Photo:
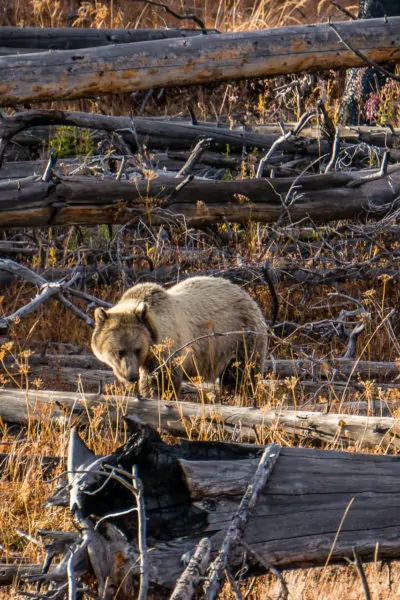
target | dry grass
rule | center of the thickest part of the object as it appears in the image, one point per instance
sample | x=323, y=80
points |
x=225, y=15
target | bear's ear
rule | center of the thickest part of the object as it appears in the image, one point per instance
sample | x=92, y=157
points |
x=100, y=315
x=141, y=310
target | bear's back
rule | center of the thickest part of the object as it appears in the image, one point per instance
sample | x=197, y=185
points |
x=151, y=293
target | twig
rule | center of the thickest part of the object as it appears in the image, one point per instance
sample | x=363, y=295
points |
x=47, y=290
x=285, y=136
x=147, y=97
x=250, y=588
x=368, y=61
x=75, y=310
x=343, y=10
x=90, y=298
x=29, y=537
x=178, y=188
x=50, y=164
x=268, y=567
x=233, y=585
x=122, y=168
x=193, y=574
x=168, y=10
x=329, y=129
x=275, y=145
x=236, y=528
x=73, y=559
x=351, y=346
x=335, y=150
x=194, y=156
x=384, y=164
x=142, y=537
x=357, y=564
x=192, y=114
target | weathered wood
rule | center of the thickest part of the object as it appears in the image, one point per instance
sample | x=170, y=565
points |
x=317, y=504
x=85, y=372
x=180, y=134
x=300, y=368
x=58, y=371
x=245, y=424
x=304, y=482
x=158, y=133
x=9, y=572
x=16, y=40
x=68, y=74
x=31, y=202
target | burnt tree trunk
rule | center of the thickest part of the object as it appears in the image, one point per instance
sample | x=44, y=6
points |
x=70, y=74
x=316, y=505
x=31, y=202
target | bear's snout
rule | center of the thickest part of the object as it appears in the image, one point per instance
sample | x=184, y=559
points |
x=128, y=370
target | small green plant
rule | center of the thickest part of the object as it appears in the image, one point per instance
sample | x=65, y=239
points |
x=72, y=141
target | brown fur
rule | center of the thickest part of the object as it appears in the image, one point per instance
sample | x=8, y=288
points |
x=126, y=336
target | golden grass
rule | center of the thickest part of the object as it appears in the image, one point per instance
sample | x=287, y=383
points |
x=225, y=15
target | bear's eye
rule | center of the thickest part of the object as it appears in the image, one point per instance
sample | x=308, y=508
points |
x=121, y=354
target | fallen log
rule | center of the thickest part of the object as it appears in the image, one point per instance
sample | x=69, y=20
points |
x=156, y=133
x=10, y=573
x=314, y=381
x=315, y=396
x=31, y=202
x=189, y=418
x=180, y=134
x=70, y=74
x=16, y=40
x=300, y=368
x=353, y=500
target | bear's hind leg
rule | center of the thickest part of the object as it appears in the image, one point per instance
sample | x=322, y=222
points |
x=245, y=370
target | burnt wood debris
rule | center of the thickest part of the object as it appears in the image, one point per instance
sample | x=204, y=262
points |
x=195, y=490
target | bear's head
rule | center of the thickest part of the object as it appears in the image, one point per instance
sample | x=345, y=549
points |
x=122, y=340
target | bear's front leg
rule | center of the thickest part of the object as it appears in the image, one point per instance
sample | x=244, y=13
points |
x=145, y=387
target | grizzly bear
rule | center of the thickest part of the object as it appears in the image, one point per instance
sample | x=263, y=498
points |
x=150, y=323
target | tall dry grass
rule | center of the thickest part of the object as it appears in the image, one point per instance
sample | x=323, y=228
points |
x=225, y=15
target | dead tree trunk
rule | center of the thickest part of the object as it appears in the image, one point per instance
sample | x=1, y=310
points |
x=31, y=202
x=184, y=418
x=68, y=74
x=353, y=500
x=16, y=40
x=181, y=135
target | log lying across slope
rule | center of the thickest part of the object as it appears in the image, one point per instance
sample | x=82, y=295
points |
x=184, y=418
x=315, y=505
x=67, y=74
x=16, y=40
x=31, y=202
